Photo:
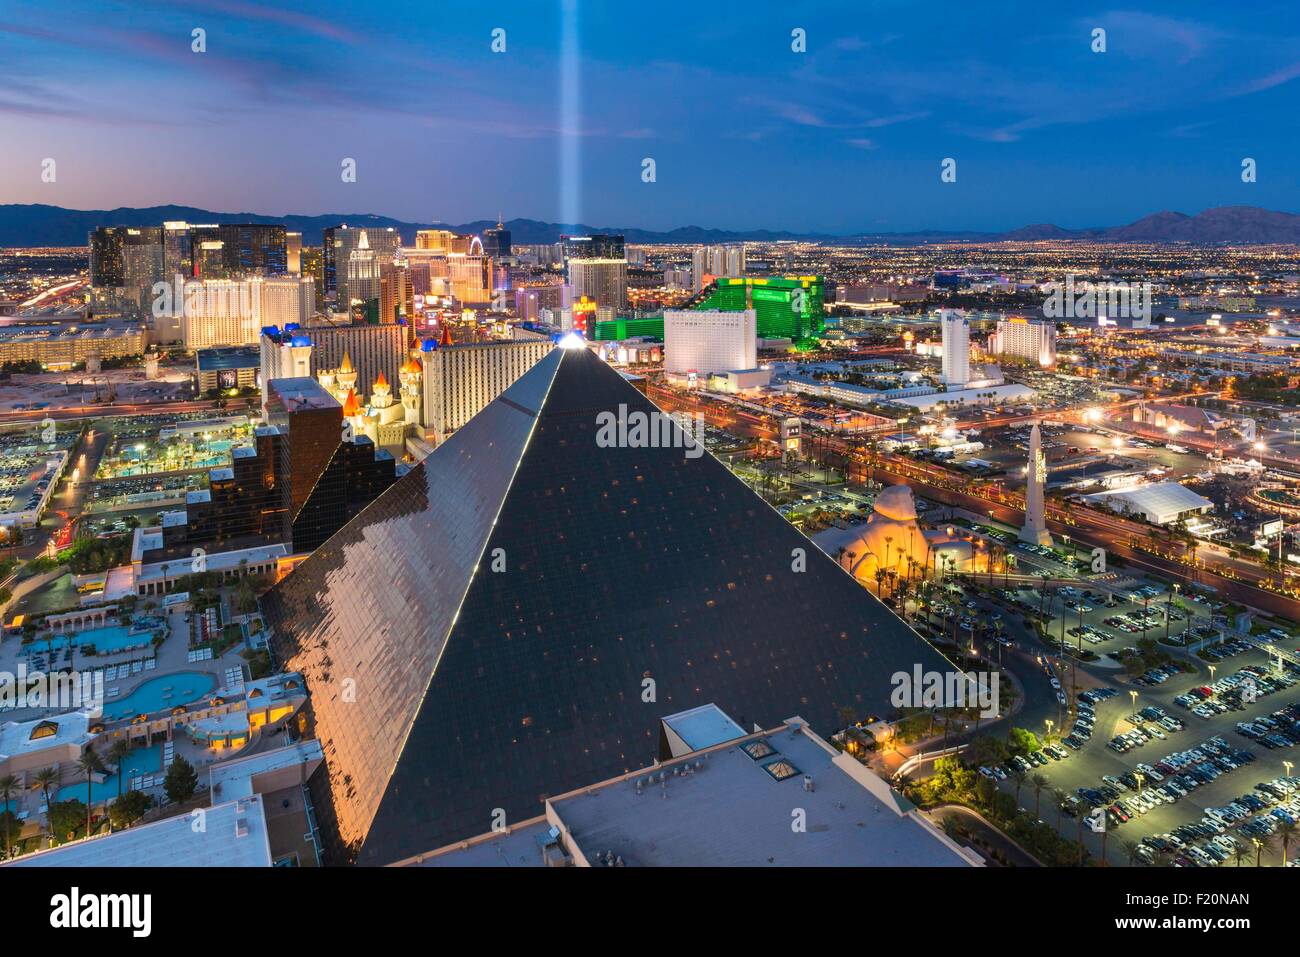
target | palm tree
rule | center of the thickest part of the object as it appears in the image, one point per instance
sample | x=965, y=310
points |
x=8, y=785
x=1286, y=832
x=46, y=779
x=1058, y=798
x=1039, y=782
x=88, y=764
x=1265, y=842
x=1104, y=834
x=1130, y=851
x=1240, y=852
x=117, y=753
x=1019, y=777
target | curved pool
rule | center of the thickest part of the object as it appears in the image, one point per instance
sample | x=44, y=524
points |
x=157, y=694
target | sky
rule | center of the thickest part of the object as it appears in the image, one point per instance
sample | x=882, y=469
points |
x=745, y=131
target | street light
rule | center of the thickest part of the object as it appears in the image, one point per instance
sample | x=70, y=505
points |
x=1134, y=696
x=1288, y=765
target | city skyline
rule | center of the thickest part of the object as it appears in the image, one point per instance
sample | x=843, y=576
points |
x=552, y=129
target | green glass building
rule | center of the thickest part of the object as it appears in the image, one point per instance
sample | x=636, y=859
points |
x=787, y=307
x=625, y=328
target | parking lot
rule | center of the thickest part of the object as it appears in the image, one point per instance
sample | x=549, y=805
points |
x=1182, y=770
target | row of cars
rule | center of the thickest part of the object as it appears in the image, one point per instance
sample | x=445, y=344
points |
x=1128, y=740
x=1156, y=715
x=1284, y=794
x=1259, y=813
x=1227, y=649
x=1281, y=729
x=1134, y=622
x=1235, y=691
x=1027, y=762
x=1159, y=674
x=1167, y=782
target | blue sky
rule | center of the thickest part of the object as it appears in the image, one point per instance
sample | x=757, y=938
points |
x=745, y=133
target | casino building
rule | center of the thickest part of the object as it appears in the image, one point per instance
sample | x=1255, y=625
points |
x=515, y=616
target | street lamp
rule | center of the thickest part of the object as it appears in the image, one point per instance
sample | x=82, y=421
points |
x=1049, y=727
x=1288, y=765
x=1140, y=779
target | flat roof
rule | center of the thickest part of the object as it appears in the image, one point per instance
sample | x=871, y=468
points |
x=234, y=779
x=730, y=806
x=1160, y=497
x=302, y=392
x=228, y=357
x=703, y=727
x=233, y=835
x=16, y=736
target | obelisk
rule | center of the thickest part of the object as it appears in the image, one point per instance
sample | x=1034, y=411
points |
x=1035, y=528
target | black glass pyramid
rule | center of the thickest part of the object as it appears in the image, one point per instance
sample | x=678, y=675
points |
x=447, y=694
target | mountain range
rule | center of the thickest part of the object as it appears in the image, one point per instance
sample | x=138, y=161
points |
x=40, y=225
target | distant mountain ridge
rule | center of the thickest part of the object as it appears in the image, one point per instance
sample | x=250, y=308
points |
x=40, y=225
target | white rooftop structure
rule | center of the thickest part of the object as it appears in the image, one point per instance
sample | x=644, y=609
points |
x=992, y=395
x=699, y=728
x=1161, y=503
x=726, y=806
x=233, y=834
x=243, y=777
x=40, y=734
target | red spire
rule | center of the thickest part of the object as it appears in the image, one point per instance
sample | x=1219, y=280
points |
x=350, y=405
x=380, y=380
x=446, y=335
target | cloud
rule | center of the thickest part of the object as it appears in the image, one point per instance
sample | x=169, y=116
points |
x=294, y=19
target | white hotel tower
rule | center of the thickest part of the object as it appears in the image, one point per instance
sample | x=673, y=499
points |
x=956, y=348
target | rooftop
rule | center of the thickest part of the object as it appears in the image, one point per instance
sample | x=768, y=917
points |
x=729, y=806
x=1159, y=497
x=234, y=835
x=228, y=357
x=234, y=779
x=26, y=737
x=702, y=727
x=303, y=392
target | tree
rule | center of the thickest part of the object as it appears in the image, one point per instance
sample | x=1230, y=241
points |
x=129, y=808
x=1022, y=741
x=1130, y=851
x=8, y=785
x=1264, y=842
x=1240, y=852
x=89, y=764
x=46, y=779
x=1058, y=798
x=1019, y=777
x=65, y=817
x=1039, y=783
x=117, y=753
x=181, y=781
x=1286, y=832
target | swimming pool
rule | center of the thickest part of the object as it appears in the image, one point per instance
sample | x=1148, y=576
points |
x=140, y=761
x=157, y=694
x=105, y=640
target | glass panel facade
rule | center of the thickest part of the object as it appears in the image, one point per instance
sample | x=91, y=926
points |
x=500, y=662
